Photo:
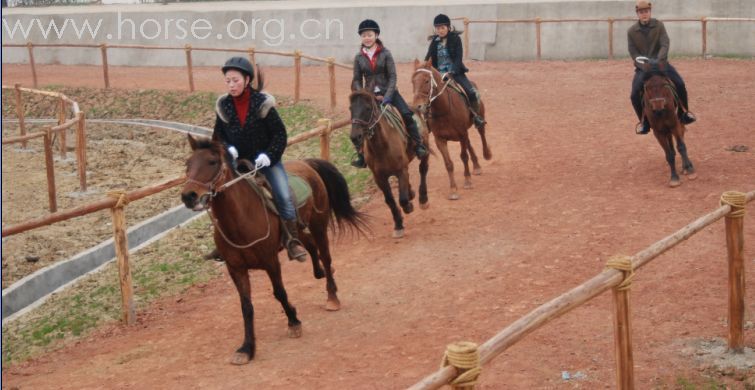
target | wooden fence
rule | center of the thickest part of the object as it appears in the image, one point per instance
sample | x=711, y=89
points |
x=732, y=209
x=610, y=21
x=117, y=202
x=64, y=123
x=188, y=49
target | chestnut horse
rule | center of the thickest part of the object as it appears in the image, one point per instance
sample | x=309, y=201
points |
x=448, y=118
x=660, y=107
x=248, y=235
x=387, y=152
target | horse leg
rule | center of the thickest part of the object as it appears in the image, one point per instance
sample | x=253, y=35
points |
x=668, y=148
x=443, y=147
x=465, y=160
x=274, y=273
x=687, y=167
x=321, y=238
x=476, y=168
x=423, y=167
x=245, y=353
x=398, y=220
x=486, y=153
x=311, y=247
x=404, y=189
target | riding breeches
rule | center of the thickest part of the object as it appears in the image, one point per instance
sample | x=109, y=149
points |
x=462, y=80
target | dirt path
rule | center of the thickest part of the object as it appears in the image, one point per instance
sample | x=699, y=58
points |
x=569, y=186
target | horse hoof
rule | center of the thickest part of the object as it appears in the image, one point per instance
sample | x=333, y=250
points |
x=333, y=305
x=409, y=208
x=674, y=183
x=487, y=154
x=453, y=196
x=398, y=233
x=424, y=206
x=294, y=331
x=477, y=171
x=240, y=358
x=692, y=176
x=468, y=186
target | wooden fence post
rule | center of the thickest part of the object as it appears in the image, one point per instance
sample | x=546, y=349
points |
x=20, y=112
x=250, y=53
x=704, y=22
x=30, y=47
x=537, y=36
x=187, y=48
x=325, y=138
x=62, y=133
x=103, y=49
x=610, y=38
x=81, y=150
x=466, y=38
x=297, y=75
x=332, y=82
x=49, y=165
x=622, y=324
x=128, y=314
x=734, y=222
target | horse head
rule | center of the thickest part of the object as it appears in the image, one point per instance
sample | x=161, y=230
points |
x=206, y=171
x=658, y=95
x=364, y=112
x=424, y=82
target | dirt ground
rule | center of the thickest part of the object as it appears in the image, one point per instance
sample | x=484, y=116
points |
x=569, y=186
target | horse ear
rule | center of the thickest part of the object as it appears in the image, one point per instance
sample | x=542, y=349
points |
x=429, y=64
x=192, y=141
x=416, y=63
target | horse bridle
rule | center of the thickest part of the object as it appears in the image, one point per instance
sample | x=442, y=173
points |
x=650, y=100
x=434, y=84
x=369, y=125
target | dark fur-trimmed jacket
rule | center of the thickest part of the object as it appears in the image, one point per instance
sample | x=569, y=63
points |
x=455, y=51
x=263, y=131
x=384, y=75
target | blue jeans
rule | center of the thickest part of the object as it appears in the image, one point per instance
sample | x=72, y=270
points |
x=278, y=180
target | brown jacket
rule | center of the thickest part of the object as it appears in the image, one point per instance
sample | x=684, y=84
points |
x=650, y=41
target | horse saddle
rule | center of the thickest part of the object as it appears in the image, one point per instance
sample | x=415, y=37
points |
x=299, y=188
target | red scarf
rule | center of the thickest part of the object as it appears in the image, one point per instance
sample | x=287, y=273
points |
x=373, y=61
x=241, y=103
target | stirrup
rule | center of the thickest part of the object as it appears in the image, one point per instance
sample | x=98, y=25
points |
x=640, y=128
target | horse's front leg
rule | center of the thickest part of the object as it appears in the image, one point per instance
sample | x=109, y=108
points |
x=398, y=220
x=687, y=167
x=465, y=149
x=245, y=353
x=668, y=148
x=423, y=167
x=404, y=189
x=274, y=273
x=442, y=145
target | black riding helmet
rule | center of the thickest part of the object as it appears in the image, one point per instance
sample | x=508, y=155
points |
x=241, y=64
x=368, y=24
x=442, y=20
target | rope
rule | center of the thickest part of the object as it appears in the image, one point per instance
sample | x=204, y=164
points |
x=464, y=356
x=737, y=201
x=623, y=264
x=121, y=196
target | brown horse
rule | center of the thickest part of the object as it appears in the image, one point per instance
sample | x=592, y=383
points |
x=660, y=108
x=387, y=153
x=448, y=118
x=249, y=237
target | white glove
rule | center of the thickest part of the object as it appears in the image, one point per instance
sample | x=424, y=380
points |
x=262, y=161
x=232, y=150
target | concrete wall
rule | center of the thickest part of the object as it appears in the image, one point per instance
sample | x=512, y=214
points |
x=280, y=26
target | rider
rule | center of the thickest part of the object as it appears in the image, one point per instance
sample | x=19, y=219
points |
x=250, y=127
x=373, y=64
x=648, y=38
x=446, y=51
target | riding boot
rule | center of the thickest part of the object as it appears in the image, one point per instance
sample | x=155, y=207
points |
x=358, y=162
x=474, y=103
x=294, y=247
x=411, y=126
x=642, y=127
x=213, y=255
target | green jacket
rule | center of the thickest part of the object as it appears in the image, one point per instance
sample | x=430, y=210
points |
x=650, y=41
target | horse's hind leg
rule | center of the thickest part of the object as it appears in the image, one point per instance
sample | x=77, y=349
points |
x=668, y=149
x=245, y=353
x=423, y=167
x=443, y=147
x=404, y=189
x=465, y=149
x=476, y=168
x=312, y=249
x=398, y=220
x=320, y=234
x=486, y=153
x=687, y=167
x=274, y=273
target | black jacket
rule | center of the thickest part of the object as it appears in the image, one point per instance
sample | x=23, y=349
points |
x=263, y=130
x=384, y=75
x=455, y=50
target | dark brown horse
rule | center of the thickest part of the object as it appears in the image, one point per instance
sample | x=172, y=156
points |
x=660, y=108
x=248, y=235
x=387, y=153
x=448, y=118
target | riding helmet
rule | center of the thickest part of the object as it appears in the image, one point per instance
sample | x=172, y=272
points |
x=442, y=20
x=368, y=24
x=241, y=64
x=642, y=4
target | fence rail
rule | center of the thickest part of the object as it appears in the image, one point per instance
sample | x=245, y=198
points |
x=611, y=278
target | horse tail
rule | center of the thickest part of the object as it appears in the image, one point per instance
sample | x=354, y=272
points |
x=339, y=197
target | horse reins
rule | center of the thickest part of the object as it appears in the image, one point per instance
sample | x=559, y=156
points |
x=369, y=124
x=434, y=84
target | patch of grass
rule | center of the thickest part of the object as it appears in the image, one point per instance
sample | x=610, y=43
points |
x=709, y=384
